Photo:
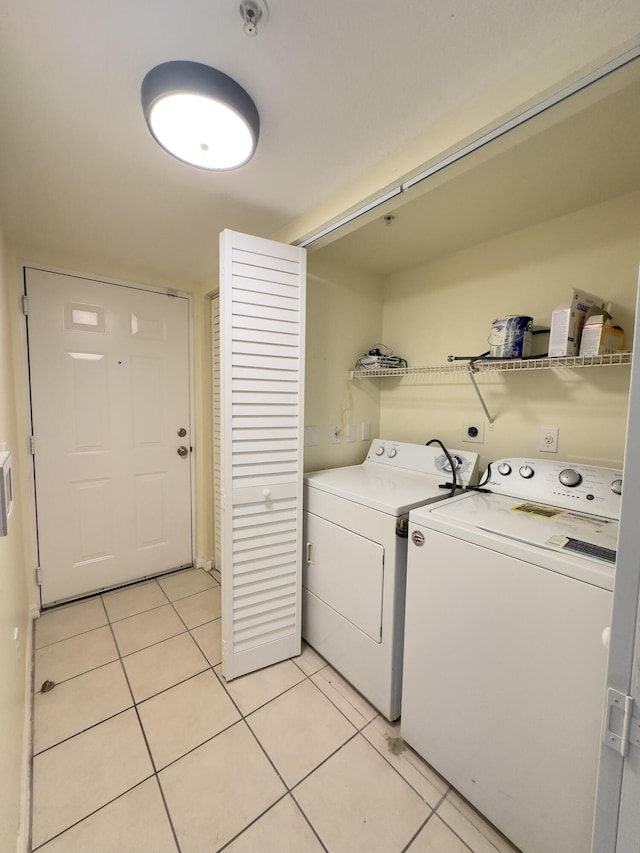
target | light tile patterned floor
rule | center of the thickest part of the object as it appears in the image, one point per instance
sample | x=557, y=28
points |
x=142, y=747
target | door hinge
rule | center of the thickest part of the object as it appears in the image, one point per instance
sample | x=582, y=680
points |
x=32, y=445
x=38, y=575
x=25, y=306
x=622, y=729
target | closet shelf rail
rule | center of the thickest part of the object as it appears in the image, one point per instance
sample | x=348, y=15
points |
x=473, y=368
x=488, y=366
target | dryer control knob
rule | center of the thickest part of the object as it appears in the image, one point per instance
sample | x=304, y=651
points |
x=570, y=477
x=379, y=450
x=391, y=452
x=616, y=487
x=527, y=472
x=504, y=468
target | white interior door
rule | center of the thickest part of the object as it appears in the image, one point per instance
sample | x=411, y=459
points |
x=109, y=369
x=217, y=469
x=617, y=821
x=262, y=313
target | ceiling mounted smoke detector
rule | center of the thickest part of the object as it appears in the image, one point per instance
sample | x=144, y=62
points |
x=200, y=115
x=252, y=12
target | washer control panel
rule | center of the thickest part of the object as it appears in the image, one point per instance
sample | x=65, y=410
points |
x=423, y=459
x=586, y=488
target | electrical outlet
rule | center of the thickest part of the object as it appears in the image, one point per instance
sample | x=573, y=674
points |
x=549, y=440
x=351, y=432
x=335, y=433
x=473, y=431
x=366, y=432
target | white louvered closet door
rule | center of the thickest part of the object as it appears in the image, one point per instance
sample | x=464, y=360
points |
x=217, y=469
x=262, y=316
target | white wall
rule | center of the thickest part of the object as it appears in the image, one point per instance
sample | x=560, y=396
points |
x=344, y=320
x=447, y=307
x=14, y=604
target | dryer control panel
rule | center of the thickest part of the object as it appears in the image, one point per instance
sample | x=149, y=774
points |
x=423, y=459
x=585, y=488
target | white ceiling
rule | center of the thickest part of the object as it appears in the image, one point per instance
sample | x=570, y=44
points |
x=581, y=152
x=340, y=86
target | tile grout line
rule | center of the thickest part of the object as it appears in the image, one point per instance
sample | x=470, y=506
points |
x=288, y=790
x=134, y=705
x=146, y=741
x=243, y=717
x=83, y=731
x=251, y=823
x=311, y=826
x=484, y=820
x=452, y=831
x=337, y=707
x=91, y=814
x=393, y=767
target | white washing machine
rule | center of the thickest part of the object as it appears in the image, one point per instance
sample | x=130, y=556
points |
x=509, y=598
x=353, y=574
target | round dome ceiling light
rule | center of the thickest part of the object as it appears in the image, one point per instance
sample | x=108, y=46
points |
x=200, y=115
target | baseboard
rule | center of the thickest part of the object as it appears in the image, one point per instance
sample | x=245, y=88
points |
x=23, y=844
x=203, y=563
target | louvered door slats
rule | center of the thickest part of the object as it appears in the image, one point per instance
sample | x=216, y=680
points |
x=262, y=309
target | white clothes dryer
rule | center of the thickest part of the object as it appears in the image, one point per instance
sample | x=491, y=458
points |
x=509, y=599
x=354, y=566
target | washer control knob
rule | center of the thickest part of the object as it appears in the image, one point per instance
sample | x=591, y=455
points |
x=417, y=537
x=616, y=487
x=527, y=472
x=570, y=477
x=379, y=450
x=504, y=468
x=391, y=452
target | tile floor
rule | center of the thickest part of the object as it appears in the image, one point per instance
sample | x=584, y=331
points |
x=142, y=747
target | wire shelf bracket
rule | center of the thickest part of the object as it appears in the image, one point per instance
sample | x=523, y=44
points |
x=473, y=368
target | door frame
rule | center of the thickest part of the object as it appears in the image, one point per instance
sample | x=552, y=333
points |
x=32, y=522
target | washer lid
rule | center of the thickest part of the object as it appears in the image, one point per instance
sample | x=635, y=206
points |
x=387, y=490
x=532, y=523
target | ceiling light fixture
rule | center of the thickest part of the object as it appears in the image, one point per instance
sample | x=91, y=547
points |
x=200, y=115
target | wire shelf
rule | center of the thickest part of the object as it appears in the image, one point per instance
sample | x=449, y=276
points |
x=488, y=366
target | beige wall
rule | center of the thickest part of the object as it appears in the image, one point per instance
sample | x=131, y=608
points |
x=14, y=604
x=344, y=320
x=447, y=307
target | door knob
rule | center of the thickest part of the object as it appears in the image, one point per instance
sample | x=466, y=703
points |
x=182, y=432
x=182, y=451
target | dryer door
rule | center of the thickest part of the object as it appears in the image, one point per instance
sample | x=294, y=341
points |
x=346, y=572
